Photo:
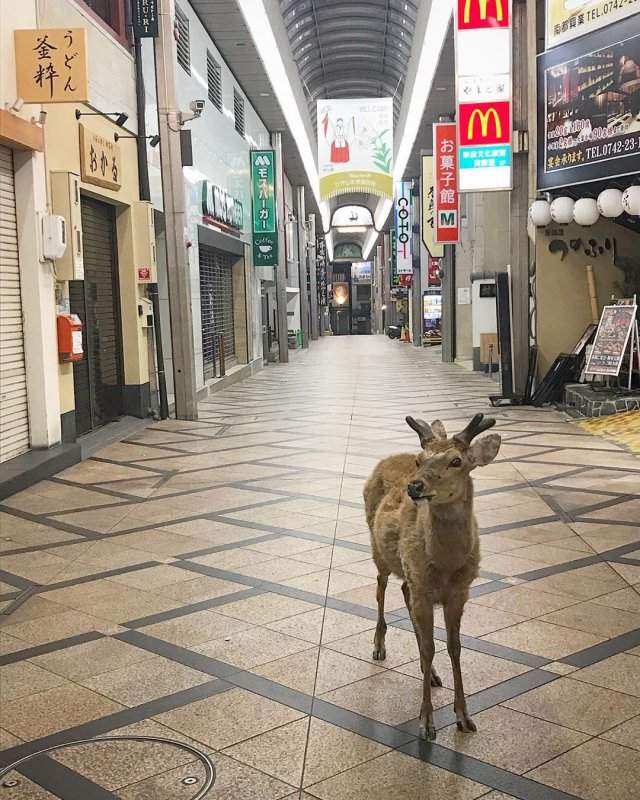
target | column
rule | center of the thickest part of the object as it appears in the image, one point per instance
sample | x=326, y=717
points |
x=302, y=265
x=281, y=269
x=313, y=274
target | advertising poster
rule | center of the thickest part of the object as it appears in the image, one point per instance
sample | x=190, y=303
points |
x=590, y=103
x=427, y=194
x=361, y=272
x=355, y=147
x=403, y=227
x=568, y=19
x=611, y=340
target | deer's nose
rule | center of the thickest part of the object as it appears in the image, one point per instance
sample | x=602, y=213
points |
x=415, y=489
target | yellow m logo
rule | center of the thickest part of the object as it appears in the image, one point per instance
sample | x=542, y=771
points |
x=484, y=117
x=482, y=4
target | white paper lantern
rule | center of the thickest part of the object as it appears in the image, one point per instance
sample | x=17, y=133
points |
x=631, y=200
x=610, y=203
x=562, y=210
x=540, y=213
x=585, y=211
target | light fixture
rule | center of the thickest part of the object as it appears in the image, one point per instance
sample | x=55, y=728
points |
x=562, y=210
x=153, y=140
x=352, y=228
x=631, y=201
x=540, y=213
x=585, y=211
x=610, y=203
x=120, y=116
x=371, y=239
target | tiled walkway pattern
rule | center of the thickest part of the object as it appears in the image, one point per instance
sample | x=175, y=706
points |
x=211, y=581
x=623, y=428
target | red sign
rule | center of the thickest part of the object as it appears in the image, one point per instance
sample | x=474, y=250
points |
x=446, y=201
x=485, y=123
x=433, y=272
x=144, y=274
x=474, y=14
x=405, y=280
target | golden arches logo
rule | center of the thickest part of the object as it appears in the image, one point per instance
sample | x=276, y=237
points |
x=482, y=5
x=484, y=117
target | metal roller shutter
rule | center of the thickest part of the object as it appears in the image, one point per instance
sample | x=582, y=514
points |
x=14, y=415
x=216, y=304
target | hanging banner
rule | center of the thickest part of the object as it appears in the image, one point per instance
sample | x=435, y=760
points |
x=568, y=19
x=446, y=197
x=483, y=94
x=263, y=199
x=144, y=19
x=51, y=65
x=321, y=270
x=355, y=147
x=403, y=228
x=427, y=192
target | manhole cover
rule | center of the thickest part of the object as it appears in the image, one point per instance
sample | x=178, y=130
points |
x=127, y=767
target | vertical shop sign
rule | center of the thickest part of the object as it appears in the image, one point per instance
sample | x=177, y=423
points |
x=263, y=198
x=144, y=19
x=403, y=228
x=321, y=270
x=51, y=65
x=393, y=271
x=484, y=94
x=446, y=197
x=428, y=195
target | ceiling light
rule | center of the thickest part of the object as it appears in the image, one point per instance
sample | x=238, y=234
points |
x=265, y=94
x=372, y=238
x=352, y=228
x=328, y=240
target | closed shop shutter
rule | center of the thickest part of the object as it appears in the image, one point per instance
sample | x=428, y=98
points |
x=216, y=304
x=14, y=416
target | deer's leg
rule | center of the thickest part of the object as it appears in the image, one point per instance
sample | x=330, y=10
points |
x=453, y=609
x=422, y=617
x=379, y=650
x=435, y=678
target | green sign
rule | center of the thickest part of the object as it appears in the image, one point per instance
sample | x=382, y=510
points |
x=263, y=198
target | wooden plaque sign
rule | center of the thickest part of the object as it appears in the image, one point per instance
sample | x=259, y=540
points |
x=99, y=160
x=51, y=65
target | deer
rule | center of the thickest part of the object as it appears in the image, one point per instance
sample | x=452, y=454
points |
x=419, y=509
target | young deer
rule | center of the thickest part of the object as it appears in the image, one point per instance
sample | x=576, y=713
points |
x=420, y=513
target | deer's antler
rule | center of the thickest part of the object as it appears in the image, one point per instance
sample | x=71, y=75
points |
x=479, y=424
x=422, y=428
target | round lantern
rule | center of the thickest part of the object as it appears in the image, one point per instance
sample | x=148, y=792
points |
x=562, y=210
x=585, y=211
x=540, y=213
x=610, y=203
x=631, y=200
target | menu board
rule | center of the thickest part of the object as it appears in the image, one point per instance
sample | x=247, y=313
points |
x=612, y=338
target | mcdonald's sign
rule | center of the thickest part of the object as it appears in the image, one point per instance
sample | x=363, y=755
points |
x=484, y=123
x=474, y=14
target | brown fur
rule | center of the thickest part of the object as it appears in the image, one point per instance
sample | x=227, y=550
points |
x=431, y=544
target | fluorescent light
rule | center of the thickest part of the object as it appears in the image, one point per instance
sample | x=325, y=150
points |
x=352, y=228
x=257, y=21
x=382, y=212
x=371, y=239
x=328, y=240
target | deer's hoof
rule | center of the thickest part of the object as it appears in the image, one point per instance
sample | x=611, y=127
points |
x=466, y=725
x=379, y=654
x=427, y=731
x=436, y=680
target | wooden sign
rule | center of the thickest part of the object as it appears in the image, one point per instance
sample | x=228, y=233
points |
x=612, y=338
x=51, y=65
x=99, y=160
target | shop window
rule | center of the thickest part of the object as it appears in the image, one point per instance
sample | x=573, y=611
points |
x=238, y=112
x=214, y=81
x=183, y=42
x=111, y=14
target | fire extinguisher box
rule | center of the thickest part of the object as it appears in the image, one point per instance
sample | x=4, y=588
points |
x=69, y=338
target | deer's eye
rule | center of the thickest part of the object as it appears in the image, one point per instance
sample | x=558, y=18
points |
x=457, y=462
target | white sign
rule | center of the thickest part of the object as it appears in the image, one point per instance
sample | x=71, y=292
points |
x=403, y=225
x=568, y=19
x=464, y=296
x=355, y=147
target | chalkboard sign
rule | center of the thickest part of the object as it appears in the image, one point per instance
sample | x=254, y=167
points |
x=612, y=338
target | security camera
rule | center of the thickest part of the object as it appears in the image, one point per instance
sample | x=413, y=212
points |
x=196, y=106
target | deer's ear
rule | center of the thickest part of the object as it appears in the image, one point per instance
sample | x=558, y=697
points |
x=485, y=450
x=438, y=428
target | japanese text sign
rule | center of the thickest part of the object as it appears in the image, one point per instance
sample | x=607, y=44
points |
x=51, y=65
x=446, y=198
x=566, y=20
x=99, y=160
x=427, y=192
x=483, y=94
x=145, y=18
x=265, y=226
x=403, y=228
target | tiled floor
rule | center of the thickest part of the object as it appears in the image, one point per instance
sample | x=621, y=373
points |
x=211, y=582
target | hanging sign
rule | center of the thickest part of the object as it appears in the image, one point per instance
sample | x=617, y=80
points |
x=568, y=19
x=144, y=18
x=51, y=65
x=609, y=346
x=99, y=160
x=403, y=224
x=263, y=198
x=321, y=270
x=446, y=197
x=355, y=147
x=483, y=94
x=427, y=226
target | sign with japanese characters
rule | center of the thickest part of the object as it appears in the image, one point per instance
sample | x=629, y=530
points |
x=355, y=147
x=263, y=199
x=427, y=193
x=612, y=339
x=446, y=204
x=403, y=228
x=220, y=208
x=568, y=19
x=99, y=160
x=51, y=65
x=144, y=18
x=589, y=104
x=483, y=94
x=321, y=270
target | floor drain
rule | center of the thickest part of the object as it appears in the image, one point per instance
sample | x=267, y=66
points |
x=189, y=780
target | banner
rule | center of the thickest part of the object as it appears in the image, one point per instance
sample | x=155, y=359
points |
x=263, y=200
x=568, y=19
x=428, y=238
x=403, y=225
x=321, y=270
x=355, y=147
x=483, y=94
x=589, y=103
x=447, y=199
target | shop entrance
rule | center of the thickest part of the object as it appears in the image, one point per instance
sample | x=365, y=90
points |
x=216, y=306
x=98, y=378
